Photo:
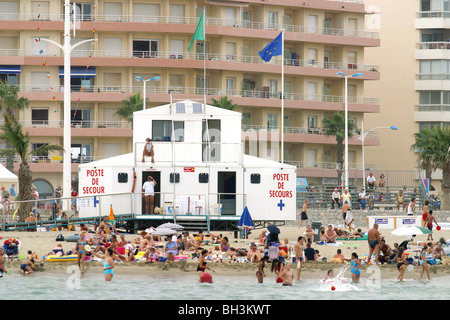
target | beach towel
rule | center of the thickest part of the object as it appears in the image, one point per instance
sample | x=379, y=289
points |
x=364, y=237
x=349, y=217
x=336, y=244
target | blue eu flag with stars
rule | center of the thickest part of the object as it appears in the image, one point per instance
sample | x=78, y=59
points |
x=272, y=49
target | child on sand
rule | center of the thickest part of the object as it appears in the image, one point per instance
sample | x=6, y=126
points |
x=27, y=268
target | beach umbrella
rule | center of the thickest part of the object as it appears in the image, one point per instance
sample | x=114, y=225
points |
x=170, y=225
x=246, y=219
x=163, y=232
x=410, y=230
x=273, y=229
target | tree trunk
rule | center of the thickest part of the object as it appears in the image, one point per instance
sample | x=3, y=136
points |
x=25, y=178
x=445, y=186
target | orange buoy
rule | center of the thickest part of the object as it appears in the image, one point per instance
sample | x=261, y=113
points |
x=333, y=288
x=206, y=278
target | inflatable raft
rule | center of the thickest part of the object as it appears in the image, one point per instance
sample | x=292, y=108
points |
x=56, y=258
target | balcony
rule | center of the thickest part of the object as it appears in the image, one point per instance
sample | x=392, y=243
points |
x=54, y=128
x=432, y=81
x=432, y=113
x=301, y=135
x=188, y=60
x=51, y=163
x=432, y=50
x=129, y=23
x=161, y=94
x=432, y=20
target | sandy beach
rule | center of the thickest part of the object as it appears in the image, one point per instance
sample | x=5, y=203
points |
x=43, y=242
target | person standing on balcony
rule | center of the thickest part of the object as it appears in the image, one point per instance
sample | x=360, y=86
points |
x=148, y=150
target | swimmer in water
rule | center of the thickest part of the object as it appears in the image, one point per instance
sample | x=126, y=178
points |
x=330, y=276
x=260, y=273
x=202, y=263
x=287, y=275
x=355, y=267
x=108, y=264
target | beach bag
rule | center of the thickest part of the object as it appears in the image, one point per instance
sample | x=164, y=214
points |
x=60, y=237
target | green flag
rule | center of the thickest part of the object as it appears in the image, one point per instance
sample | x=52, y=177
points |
x=199, y=32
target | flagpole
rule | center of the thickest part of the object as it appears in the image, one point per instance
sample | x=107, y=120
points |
x=282, y=95
x=204, y=112
x=204, y=56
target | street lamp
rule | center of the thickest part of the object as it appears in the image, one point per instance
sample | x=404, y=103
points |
x=341, y=74
x=138, y=78
x=362, y=137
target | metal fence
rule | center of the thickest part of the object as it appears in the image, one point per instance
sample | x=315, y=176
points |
x=52, y=211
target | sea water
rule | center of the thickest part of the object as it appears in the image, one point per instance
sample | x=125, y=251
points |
x=166, y=286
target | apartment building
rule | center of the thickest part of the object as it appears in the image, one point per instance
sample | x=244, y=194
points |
x=150, y=38
x=414, y=90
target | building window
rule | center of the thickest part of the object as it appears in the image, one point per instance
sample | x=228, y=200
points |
x=81, y=118
x=272, y=19
x=162, y=130
x=272, y=121
x=9, y=78
x=230, y=85
x=312, y=122
x=145, y=48
x=112, y=81
x=39, y=116
x=176, y=83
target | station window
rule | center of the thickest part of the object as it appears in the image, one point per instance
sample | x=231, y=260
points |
x=255, y=178
x=174, y=177
x=203, y=178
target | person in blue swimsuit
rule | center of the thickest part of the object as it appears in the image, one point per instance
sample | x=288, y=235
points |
x=108, y=263
x=355, y=267
x=423, y=263
x=81, y=243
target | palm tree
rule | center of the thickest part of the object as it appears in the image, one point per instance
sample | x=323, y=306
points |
x=335, y=126
x=11, y=103
x=128, y=106
x=224, y=103
x=433, y=148
x=20, y=144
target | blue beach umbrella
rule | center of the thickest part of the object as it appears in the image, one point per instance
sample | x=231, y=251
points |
x=246, y=219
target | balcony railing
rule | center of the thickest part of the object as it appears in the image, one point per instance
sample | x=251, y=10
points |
x=210, y=21
x=433, y=76
x=295, y=130
x=433, y=14
x=74, y=124
x=441, y=45
x=192, y=152
x=432, y=107
x=55, y=159
x=190, y=56
x=200, y=91
x=330, y=165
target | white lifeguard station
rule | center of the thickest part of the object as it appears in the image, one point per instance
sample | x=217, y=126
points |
x=200, y=168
